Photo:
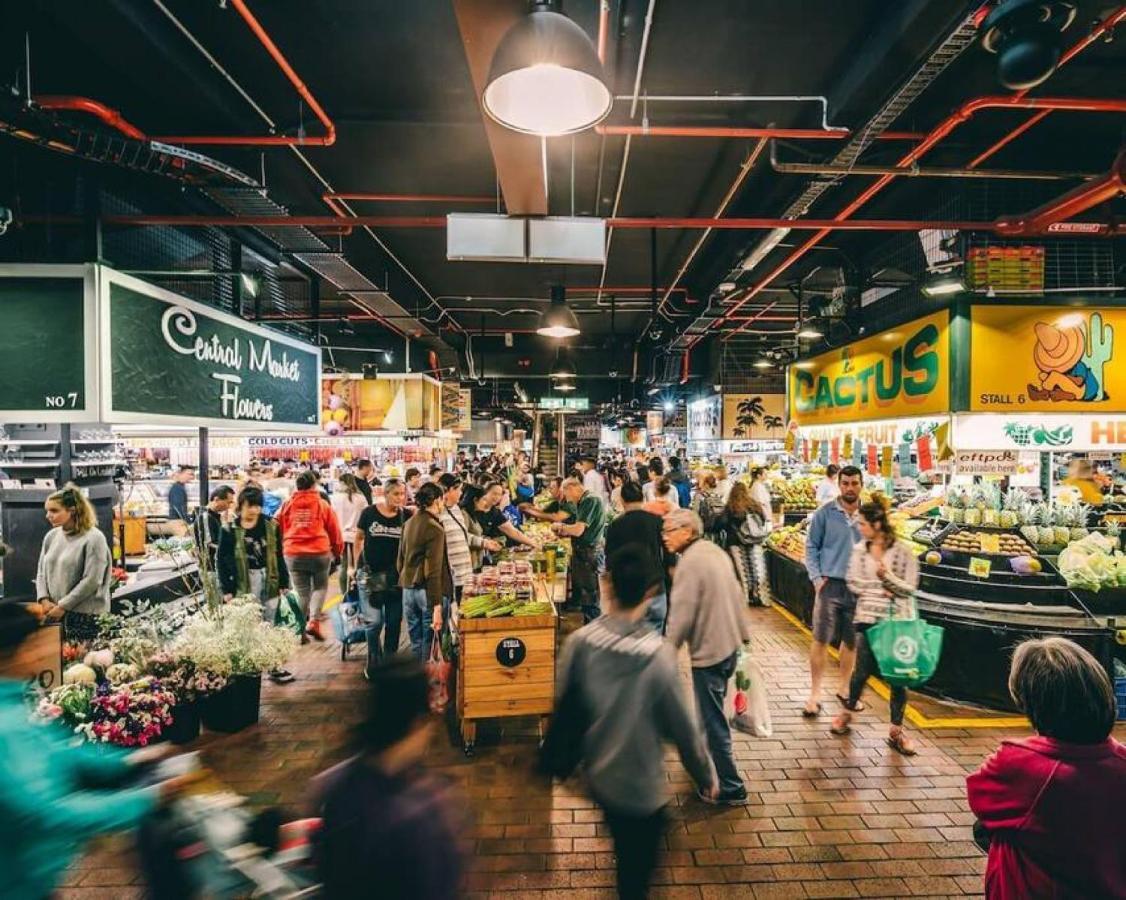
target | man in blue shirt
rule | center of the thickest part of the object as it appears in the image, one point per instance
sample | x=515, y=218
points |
x=178, y=514
x=833, y=533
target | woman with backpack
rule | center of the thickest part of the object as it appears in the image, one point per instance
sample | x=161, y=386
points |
x=883, y=575
x=742, y=529
x=250, y=560
x=708, y=504
x=311, y=540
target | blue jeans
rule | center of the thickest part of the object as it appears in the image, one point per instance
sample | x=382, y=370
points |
x=710, y=686
x=385, y=618
x=419, y=617
x=657, y=612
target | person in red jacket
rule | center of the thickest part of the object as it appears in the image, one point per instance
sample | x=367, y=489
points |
x=1051, y=805
x=311, y=540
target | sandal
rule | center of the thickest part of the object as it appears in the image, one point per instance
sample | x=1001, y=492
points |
x=858, y=706
x=900, y=744
x=811, y=713
x=842, y=724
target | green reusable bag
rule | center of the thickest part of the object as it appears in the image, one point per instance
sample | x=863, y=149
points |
x=289, y=613
x=906, y=650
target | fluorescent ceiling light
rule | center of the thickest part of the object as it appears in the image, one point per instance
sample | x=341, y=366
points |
x=943, y=285
x=762, y=364
x=810, y=332
x=546, y=78
x=653, y=390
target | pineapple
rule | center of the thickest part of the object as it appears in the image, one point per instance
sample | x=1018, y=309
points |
x=957, y=506
x=1011, y=508
x=1061, y=517
x=1114, y=531
x=975, y=507
x=1045, y=534
x=1080, y=512
x=990, y=505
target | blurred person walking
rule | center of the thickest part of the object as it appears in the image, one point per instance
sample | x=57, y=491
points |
x=312, y=540
x=626, y=678
x=637, y=527
x=707, y=610
x=742, y=530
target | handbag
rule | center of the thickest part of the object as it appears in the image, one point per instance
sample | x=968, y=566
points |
x=438, y=676
x=754, y=528
x=906, y=651
x=562, y=747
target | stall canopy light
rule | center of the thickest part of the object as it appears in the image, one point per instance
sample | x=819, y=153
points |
x=558, y=321
x=762, y=364
x=943, y=285
x=563, y=367
x=563, y=386
x=545, y=78
x=810, y=332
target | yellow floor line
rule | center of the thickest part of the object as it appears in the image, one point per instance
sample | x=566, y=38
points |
x=913, y=715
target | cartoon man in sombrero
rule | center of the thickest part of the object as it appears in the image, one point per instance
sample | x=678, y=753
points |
x=1071, y=359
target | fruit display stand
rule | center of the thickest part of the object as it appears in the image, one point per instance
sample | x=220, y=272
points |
x=985, y=615
x=506, y=666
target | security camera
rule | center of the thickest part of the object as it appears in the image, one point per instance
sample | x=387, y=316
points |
x=5, y=219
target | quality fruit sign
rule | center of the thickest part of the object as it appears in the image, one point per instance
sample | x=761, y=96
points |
x=1055, y=359
x=900, y=373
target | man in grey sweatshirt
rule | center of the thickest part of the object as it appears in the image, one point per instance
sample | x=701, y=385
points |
x=707, y=610
x=629, y=685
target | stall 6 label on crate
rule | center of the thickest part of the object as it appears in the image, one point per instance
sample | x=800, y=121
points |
x=511, y=652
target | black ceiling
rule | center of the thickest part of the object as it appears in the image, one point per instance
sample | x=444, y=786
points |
x=393, y=77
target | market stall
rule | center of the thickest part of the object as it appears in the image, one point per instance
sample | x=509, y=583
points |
x=997, y=565
x=508, y=636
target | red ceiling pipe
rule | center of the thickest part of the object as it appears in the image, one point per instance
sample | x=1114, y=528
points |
x=687, y=131
x=1109, y=22
x=603, y=28
x=107, y=114
x=1073, y=203
x=939, y=133
x=273, y=140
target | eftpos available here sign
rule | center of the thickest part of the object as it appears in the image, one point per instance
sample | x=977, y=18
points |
x=169, y=360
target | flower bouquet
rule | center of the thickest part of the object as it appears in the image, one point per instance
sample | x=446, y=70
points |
x=68, y=704
x=128, y=715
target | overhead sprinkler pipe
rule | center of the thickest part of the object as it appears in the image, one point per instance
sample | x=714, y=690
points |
x=1073, y=203
x=273, y=140
x=405, y=198
x=704, y=131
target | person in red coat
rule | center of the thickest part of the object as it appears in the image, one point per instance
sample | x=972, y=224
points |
x=1052, y=805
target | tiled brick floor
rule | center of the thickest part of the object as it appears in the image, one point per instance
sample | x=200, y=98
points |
x=829, y=817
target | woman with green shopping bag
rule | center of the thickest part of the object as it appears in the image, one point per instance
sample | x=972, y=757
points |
x=883, y=575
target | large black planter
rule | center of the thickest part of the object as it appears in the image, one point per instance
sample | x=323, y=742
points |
x=185, y=724
x=235, y=707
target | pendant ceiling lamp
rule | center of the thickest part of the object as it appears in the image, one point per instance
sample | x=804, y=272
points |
x=563, y=367
x=558, y=321
x=546, y=78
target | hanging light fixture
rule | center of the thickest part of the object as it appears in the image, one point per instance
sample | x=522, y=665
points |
x=558, y=321
x=563, y=367
x=563, y=386
x=810, y=331
x=546, y=78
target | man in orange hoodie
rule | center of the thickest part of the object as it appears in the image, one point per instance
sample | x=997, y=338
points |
x=311, y=541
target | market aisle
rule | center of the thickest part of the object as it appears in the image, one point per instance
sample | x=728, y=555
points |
x=828, y=817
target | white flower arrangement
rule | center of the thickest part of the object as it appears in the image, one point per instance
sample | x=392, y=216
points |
x=234, y=640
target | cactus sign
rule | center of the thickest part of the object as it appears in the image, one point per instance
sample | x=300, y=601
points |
x=1056, y=359
x=900, y=373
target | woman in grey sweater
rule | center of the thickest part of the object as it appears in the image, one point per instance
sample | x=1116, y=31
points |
x=73, y=581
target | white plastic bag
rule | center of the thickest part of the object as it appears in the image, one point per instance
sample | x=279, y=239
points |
x=752, y=712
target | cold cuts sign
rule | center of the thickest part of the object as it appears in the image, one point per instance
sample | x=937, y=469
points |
x=173, y=361
x=1047, y=359
x=48, y=346
x=904, y=372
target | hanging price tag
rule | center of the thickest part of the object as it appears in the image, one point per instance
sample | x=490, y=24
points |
x=873, y=463
x=835, y=452
x=885, y=462
x=816, y=448
x=788, y=442
x=805, y=451
x=846, y=450
x=824, y=457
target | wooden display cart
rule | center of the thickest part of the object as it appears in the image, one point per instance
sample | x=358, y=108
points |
x=506, y=667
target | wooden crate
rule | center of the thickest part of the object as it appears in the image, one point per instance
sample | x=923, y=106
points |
x=494, y=681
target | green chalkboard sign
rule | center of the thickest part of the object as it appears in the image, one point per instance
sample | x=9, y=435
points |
x=169, y=360
x=48, y=347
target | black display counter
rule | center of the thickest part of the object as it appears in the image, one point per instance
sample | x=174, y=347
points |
x=161, y=586
x=980, y=636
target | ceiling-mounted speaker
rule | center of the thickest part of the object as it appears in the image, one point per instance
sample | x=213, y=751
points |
x=1027, y=36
